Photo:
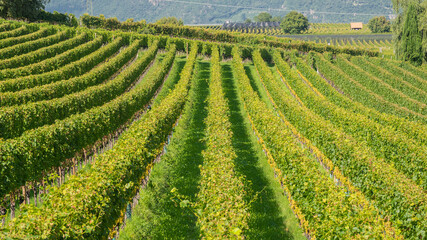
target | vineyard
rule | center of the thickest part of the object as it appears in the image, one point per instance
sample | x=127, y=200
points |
x=188, y=135
x=335, y=34
x=315, y=28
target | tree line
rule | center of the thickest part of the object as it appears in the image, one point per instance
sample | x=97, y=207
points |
x=410, y=30
x=33, y=10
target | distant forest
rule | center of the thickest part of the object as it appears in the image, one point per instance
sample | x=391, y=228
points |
x=200, y=12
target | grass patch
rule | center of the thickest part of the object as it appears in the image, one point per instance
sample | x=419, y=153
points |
x=271, y=216
x=157, y=216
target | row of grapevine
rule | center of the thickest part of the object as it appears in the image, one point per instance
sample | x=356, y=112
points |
x=17, y=119
x=53, y=63
x=360, y=93
x=17, y=32
x=43, y=32
x=420, y=72
x=18, y=49
x=52, y=144
x=379, y=87
x=314, y=195
x=404, y=153
x=85, y=115
x=7, y=26
x=56, y=44
x=396, y=81
x=252, y=40
x=412, y=129
x=221, y=195
x=397, y=197
x=334, y=28
x=405, y=70
x=12, y=87
x=89, y=205
x=60, y=88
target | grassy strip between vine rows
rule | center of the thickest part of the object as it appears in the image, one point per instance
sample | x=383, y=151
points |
x=360, y=93
x=395, y=195
x=415, y=130
x=91, y=203
x=377, y=86
x=34, y=51
x=221, y=207
x=325, y=210
x=396, y=81
x=159, y=214
x=40, y=149
x=43, y=32
x=26, y=47
x=20, y=88
x=271, y=216
x=53, y=63
x=403, y=153
x=17, y=119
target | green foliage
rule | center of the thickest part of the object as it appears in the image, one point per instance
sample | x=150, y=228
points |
x=379, y=25
x=263, y=17
x=411, y=38
x=302, y=179
x=170, y=21
x=158, y=214
x=410, y=30
x=221, y=198
x=22, y=9
x=98, y=122
x=349, y=171
x=90, y=204
x=58, y=18
x=24, y=34
x=24, y=53
x=110, y=23
x=294, y=23
x=53, y=63
x=394, y=193
x=33, y=115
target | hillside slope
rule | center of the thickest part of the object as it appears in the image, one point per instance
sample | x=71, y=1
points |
x=196, y=11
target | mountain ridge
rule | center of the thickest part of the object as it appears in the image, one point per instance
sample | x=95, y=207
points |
x=219, y=11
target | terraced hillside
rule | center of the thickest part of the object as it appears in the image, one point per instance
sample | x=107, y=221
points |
x=122, y=135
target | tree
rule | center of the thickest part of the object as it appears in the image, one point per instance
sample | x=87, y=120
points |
x=379, y=25
x=294, y=23
x=411, y=38
x=22, y=9
x=170, y=21
x=248, y=20
x=263, y=17
x=402, y=9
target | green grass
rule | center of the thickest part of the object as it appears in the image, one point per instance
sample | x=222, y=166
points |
x=172, y=79
x=271, y=216
x=253, y=76
x=157, y=216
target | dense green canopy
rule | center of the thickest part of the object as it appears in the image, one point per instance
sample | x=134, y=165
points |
x=294, y=23
x=410, y=30
x=21, y=9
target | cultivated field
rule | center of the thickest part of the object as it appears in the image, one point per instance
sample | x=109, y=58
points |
x=125, y=135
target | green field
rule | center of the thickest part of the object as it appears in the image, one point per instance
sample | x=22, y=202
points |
x=189, y=133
